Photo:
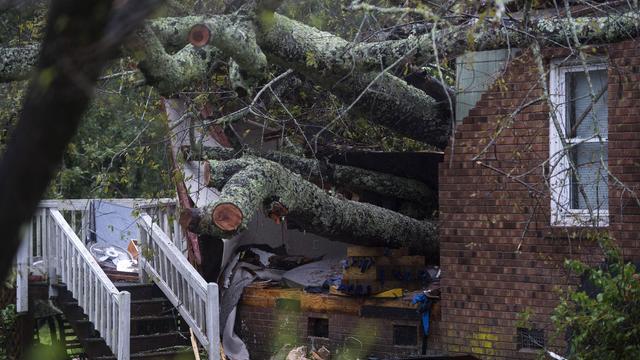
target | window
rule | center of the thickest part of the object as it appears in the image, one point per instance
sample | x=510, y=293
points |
x=318, y=327
x=530, y=338
x=578, y=136
x=405, y=335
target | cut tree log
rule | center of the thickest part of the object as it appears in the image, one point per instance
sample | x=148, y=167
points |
x=265, y=185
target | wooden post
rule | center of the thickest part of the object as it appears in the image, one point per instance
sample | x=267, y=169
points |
x=50, y=235
x=145, y=243
x=213, y=321
x=22, y=278
x=124, y=324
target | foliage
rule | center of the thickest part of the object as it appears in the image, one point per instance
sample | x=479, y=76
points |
x=119, y=151
x=605, y=325
x=7, y=328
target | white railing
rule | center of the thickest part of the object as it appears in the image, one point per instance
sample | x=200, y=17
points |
x=50, y=238
x=195, y=299
x=51, y=244
x=165, y=214
x=77, y=212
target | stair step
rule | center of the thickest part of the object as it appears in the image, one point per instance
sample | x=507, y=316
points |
x=140, y=291
x=157, y=331
x=155, y=306
x=144, y=343
x=183, y=353
x=141, y=307
x=72, y=311
x=96, y=347
x=153, y=324
x=140, y=325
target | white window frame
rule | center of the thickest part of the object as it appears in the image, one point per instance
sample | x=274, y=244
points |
x=560, y=183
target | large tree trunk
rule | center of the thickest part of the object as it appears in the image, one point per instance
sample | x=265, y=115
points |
x=261, y=184
x=321, y=172
x=452, y=41
x=376, y=95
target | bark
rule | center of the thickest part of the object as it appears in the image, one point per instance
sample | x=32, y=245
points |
x=353, y=72
x=378, y=96
x=281, y=193
x=432, y=86
x=169, y=73
x=80, y=37
x=453, y=41
x=343, y=176
x=16, y=63
x=334, y=52
x=235, y=36
x=173, y=32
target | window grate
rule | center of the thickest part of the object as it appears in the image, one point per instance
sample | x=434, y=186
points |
x=318, y=327
x=405, y=335
x=530, y=338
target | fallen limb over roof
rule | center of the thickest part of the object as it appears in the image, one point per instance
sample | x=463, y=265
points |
x=260, y=184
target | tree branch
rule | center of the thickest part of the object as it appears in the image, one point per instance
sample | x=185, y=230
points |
x=347, y=177
x=266, y=185
x=80, y=38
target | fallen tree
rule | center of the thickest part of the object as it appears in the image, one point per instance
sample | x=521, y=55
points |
x=357, y=73
x=253, y=184
x=321, y=172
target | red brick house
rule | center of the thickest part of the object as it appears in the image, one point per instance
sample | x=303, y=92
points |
x=511, y=207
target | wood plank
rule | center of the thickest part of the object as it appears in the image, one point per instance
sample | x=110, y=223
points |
x=386, y=272
x=266, y=298
x=370, y=251
x=212, y=322
x=354, y=273
x=378, y=287
x=409, y=260
x=323, y=303
x=319, y=303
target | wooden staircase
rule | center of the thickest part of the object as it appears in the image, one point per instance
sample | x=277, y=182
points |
x=120, y=320
x=157, y=331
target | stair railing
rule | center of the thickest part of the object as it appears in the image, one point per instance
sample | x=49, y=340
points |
x=106, y=307
x=164, y=213
x=195, y=299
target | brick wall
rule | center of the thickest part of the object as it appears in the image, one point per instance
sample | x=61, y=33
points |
x=499, y=255
x=266, y=329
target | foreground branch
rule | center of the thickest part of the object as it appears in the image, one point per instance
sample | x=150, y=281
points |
x=80, y=37
x=281, y=194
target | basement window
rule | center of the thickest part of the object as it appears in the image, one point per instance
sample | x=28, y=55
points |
x=318, y=327
x=578, y=144
x=404, y=335
x=530, y=338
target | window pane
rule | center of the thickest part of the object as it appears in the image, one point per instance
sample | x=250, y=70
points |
x=579, y=102
x=589, y=159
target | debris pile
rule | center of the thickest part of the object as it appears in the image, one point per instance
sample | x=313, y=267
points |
x=375, y=273
x=119, y=264
x=366, y=271
x=375, y=270
x=289, y=352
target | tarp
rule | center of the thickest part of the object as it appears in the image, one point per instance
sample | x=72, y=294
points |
x=313, y=274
